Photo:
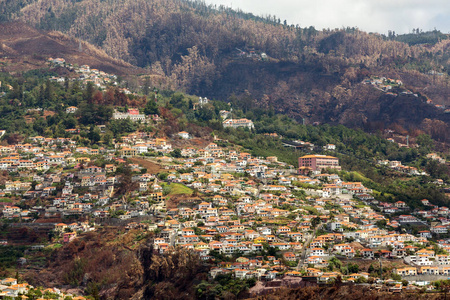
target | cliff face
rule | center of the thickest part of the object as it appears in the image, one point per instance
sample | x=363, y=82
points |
x=115, y=266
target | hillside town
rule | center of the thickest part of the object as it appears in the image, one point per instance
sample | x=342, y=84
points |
x=246, y=216
x=253, y=217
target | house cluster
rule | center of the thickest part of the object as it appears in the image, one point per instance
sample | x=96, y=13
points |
x=397, y=165
x=383, y=84
x=10, y=288
x=85, y=74
x=446, y=109
x=248, y=206
x=237, y=216
x=141, y=143
x=436, y=157
x=425, y=261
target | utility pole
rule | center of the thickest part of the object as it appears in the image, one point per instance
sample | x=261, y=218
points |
x=381, y=269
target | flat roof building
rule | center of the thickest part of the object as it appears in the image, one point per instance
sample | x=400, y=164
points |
x=318, y=162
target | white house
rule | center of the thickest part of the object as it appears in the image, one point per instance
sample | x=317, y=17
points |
x=329, y=147
x=71, y=109
x=184, y=135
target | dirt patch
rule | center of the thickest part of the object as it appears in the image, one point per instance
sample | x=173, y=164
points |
x=152, y=168
x=357, y=246
x=174, y=200
x=198, y=143
x=4, y=176
x=364, y=264
x=48, y=113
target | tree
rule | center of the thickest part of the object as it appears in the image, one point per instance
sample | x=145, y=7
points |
x=315, y=221
x=176, y=153
x=353, y=268
x=177, y=100
x=396, y=277
x=151, y=107
x=94, y=134
x=425, y=141
x=126, y=183
x=108, y=138
x=49, y=93
x=40, y=125
x=89, y=92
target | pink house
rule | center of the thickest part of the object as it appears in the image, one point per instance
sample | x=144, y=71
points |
x=69, y=236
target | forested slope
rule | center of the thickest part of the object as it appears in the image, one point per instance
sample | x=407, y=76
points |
x=261, y=61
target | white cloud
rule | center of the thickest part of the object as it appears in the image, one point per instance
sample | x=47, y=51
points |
x=368, y=15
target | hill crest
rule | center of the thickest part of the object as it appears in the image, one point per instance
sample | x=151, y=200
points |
x=23, y=47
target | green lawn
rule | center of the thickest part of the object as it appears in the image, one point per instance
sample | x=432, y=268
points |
x=54, y=246
x=179, y=189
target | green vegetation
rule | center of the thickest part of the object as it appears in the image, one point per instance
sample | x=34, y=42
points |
x=36, y=106
x=222, y=286
x=9, y=255
x=418, y=37
x=176, y=189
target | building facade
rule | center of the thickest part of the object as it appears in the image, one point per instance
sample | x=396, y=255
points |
x=318, y=162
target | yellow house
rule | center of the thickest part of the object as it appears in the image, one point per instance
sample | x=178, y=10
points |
x=83, y=159
x=160, y=142
x=128, y=152
x=42, y=165
x=429, y=270
x=425, y=252
x=226, y=176
x=201, y=246
x=445, y=271
x=260, y=240
x=407, y=271
x=60, y=227
x=156, y=196
x=70, y=160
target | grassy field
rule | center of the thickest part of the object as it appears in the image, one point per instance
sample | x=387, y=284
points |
x=179, y=189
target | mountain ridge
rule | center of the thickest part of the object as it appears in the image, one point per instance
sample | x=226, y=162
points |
x=258, y=62
x=32, y=47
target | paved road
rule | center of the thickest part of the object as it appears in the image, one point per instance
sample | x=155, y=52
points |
x=304, y=250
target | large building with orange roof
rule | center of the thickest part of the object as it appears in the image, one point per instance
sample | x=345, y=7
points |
x=318, y=162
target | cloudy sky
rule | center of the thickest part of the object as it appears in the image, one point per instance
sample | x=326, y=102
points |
x=380, y=16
